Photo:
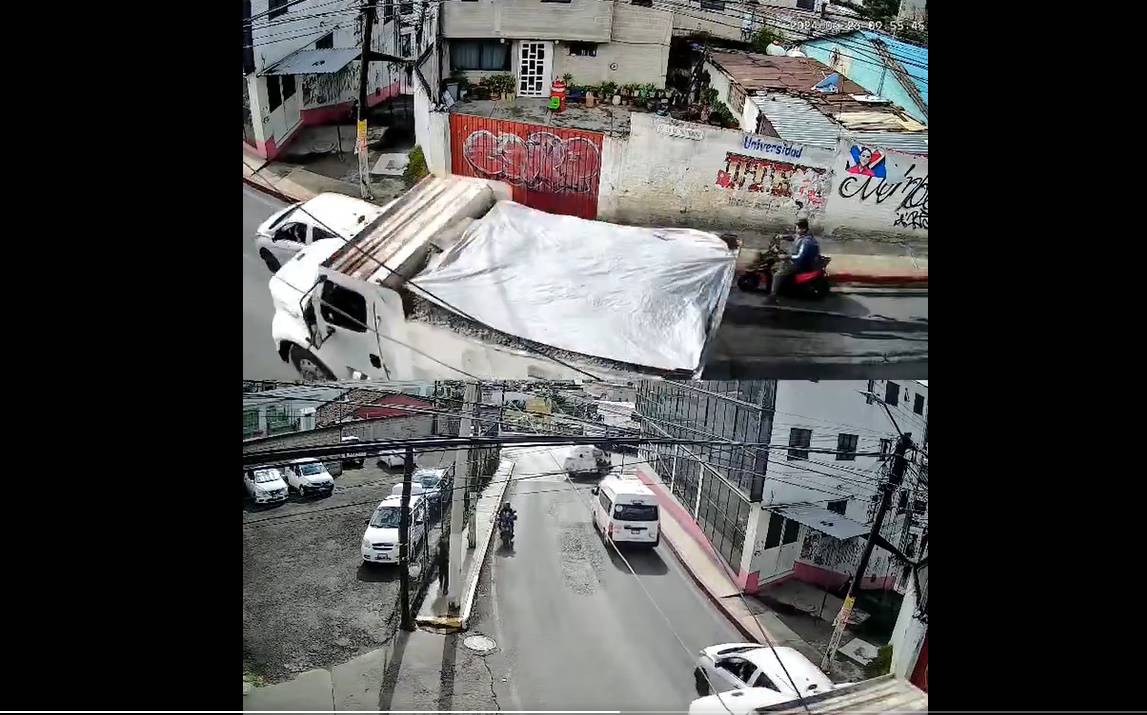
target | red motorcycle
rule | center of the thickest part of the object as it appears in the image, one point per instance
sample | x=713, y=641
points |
x=808, y=284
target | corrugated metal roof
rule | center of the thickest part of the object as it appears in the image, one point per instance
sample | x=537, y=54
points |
x=325, y=61
x=798, y=121
x=886, y=694
x=822, y=520
x=910, y=142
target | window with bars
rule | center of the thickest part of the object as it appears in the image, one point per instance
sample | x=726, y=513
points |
x=846, y=447
x=250, y=423
x=773, y=536
x=868, y=399
x=798, y=438
x=736, y=99
x=718, y=5
x=583, y=49
x=792, y=530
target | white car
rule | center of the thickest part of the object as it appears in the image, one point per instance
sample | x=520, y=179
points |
x=732, y=666
x=394, y=458
x=288, y=231
x=380, y=542
x=309, y=477
x=743, y=701
x=265, y=485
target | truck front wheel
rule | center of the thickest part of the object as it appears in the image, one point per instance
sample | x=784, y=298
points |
x=308, y=366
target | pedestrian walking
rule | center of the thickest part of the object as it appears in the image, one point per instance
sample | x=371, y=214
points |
x=443, y=560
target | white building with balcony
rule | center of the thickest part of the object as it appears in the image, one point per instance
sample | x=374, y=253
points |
x=301, y=62
x=539, y=41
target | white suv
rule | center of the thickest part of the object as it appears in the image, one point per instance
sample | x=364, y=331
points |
x=265, y=485
x=309, y=477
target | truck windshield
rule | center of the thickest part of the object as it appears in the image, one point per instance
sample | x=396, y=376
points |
x=385, y=518
x=310, y=470
x=266, y=475
x=635, y=512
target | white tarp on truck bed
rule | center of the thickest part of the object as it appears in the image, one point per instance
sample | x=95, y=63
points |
x=636, y=295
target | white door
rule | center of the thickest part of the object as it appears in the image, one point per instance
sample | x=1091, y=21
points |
x=286, y=115
x=535, y=60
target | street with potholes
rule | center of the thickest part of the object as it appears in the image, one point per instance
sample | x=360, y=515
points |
x=572, y=626
x=856, y=332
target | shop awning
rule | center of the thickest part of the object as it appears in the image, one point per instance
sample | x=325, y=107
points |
x=822, y=520
x=325, y=61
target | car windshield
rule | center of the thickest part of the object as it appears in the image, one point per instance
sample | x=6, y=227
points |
x=279, y=221
x=263, y=476
x=385, y=518
x=430, y=482
x=311, y=469
x=635, y=512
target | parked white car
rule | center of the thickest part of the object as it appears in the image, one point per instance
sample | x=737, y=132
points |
x=265, y=485
x=380, y=542
x=309, y=477
x=394, y=458
x=731, y=666
x=288, y=231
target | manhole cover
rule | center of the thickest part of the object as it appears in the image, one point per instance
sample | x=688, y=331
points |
x=480, y=644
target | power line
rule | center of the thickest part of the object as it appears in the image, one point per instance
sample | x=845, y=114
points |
x=431, y=296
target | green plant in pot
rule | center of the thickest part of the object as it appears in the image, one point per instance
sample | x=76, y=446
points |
x=608, y=91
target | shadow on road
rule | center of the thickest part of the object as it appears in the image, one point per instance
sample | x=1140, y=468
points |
x=504, y=550
x=377, y=573
x=645, y=561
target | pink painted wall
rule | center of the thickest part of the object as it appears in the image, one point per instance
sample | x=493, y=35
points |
x=833, y=580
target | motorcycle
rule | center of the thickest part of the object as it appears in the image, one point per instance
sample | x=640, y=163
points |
x=808, y=284
x=506, y=531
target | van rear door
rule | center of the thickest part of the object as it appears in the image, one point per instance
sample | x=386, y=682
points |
x=634, y=520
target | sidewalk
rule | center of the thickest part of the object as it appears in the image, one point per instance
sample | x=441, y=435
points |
x=292, y=183
x=435, y=611
x=696, y=554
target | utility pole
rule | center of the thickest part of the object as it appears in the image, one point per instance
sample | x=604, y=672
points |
x=363, y=74
x=403, y=542
x=458, y=492
x=895, y=477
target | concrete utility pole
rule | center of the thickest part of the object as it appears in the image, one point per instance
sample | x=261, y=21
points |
x=404, y=541
x=895, y=477
x=458, y=492
x=363, y=74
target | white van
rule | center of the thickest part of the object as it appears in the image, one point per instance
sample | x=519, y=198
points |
x=625, y=511
x=586, y=461
x=309, y=476
x=380, y=542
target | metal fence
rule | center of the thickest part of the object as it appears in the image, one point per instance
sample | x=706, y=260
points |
x=716, y=484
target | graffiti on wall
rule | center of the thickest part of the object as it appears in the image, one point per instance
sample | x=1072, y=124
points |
x=773, y=184
x=542, y=161
x=320, y=90
x=871, y=181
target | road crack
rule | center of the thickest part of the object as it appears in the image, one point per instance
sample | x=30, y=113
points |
x=491, y=674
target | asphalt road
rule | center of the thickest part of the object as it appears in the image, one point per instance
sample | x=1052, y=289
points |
x=575, y=628
x=260, y=361
x=855, y=333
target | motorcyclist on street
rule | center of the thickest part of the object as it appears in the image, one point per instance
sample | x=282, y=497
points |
x=506, y=516
x=806, y=257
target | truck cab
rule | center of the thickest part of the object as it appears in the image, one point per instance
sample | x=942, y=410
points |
x=587, y=461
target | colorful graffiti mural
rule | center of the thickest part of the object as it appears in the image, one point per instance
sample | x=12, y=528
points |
x=804, y=186
x=553, y=169
x=542, y=161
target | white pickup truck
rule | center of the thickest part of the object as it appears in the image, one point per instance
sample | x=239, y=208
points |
x=454, y=277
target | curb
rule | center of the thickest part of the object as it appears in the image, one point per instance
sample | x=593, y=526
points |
x=716, y=601
x=835, y=278
x=270, y=191
x=472, y=582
